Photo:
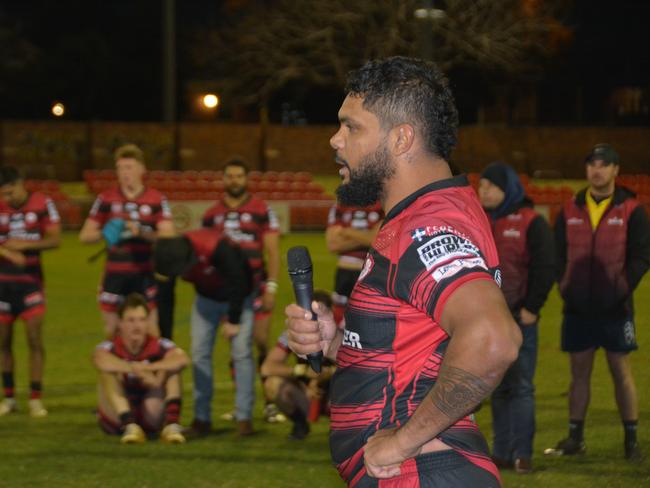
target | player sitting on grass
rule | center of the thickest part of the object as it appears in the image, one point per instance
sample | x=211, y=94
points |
x=139, y=379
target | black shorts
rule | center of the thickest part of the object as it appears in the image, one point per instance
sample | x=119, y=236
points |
x=445, y=469
x=583, y=333
x=116, y=286
x=20, y=300
x=345, y=280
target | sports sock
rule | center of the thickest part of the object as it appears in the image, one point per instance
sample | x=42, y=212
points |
x=576, y=430
x=8, y=383
x=36, y=388
x=127, y=418
x=629, y=426
x=172, y=411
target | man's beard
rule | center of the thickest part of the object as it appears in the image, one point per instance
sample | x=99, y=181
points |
x=366, y=183
x=236, y=192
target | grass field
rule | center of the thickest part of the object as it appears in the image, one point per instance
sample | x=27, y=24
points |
x=67, y=448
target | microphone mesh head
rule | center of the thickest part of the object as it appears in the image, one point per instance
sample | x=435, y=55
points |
x=298, y=260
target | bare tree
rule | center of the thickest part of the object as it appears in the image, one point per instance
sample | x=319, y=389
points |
x=277, y=42
x=16, y=53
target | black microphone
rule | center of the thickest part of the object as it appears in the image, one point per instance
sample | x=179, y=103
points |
x=302, y=278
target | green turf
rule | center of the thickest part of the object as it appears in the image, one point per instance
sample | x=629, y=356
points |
x=67, y=448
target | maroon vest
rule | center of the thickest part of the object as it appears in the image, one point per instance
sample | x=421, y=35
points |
x=595, y=279
x=207, y=280
x=510, y=237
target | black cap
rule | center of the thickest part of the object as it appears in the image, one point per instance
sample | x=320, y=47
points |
x=173, y=256
x=497, y=173
x=603, y=152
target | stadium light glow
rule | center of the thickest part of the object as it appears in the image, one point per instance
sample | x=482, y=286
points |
x=58, y=109
x=210, y=101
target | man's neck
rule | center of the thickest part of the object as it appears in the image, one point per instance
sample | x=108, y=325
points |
x=599, y=194
x=410, y=176
x=134, y=346
x=132, y=191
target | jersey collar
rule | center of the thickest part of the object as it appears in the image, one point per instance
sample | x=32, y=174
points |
x=456, y=181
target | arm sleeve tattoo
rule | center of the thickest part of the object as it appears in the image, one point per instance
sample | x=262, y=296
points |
x=457, y=392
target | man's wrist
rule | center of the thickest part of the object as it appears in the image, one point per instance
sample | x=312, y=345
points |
x=271, y=286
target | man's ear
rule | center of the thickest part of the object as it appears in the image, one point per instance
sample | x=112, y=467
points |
x=403, y=137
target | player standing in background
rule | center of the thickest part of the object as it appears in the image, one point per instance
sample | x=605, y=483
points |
x=251, y=223
x=349, y=233
x=29, y=224
x=128, y=218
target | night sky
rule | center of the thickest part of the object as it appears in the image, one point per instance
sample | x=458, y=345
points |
x=104, y=60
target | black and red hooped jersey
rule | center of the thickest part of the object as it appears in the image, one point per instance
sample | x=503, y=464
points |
x=360, y=218
x=245, y=225
x=154, y=349
x=29, y=222
x=429, y=244
x=148, y=210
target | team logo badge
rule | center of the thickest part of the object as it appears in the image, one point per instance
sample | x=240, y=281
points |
x=116, y=207
x=373, y=216
x=4, y=219
x=347, y=216
x=628, y=332
x=145, y=210
x=218, y=219
x=30, y=217
x=615, y=221
x=246, y=217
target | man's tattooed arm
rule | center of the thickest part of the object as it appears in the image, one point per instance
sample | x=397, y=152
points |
x=458, y=392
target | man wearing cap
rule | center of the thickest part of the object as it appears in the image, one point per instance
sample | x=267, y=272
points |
x=525, y=245
x=219, y=271
x=603, y=250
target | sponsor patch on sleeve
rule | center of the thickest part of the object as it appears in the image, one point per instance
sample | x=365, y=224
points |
x=446, y=247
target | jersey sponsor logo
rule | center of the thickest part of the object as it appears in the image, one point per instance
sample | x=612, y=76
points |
x=218, y=219
x=432, y=230
x=575, y=221
x=450, y=269
x=116, y=207
x=373, y=216
x=446, y=247
x=615, y=221
x=145, y=210
x=367, y=267
x=514, y=216
x=351, y=339
x=246, y=217
x=512, y=233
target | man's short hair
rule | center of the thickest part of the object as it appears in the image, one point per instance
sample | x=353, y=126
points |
x=237, y=163
x=9, y=175
x=603, y=152
x=173, y=256
x=129, y=151
x=133, y=300
x=402, y=90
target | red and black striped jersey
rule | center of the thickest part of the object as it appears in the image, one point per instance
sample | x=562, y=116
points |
x=148, y=210
x=360, y=218
x=29, y=222
x=154, y=349
x=246, y=225
x=430, y=244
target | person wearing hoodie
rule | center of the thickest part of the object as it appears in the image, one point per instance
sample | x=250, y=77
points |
x=602, y=239
x=525, y=245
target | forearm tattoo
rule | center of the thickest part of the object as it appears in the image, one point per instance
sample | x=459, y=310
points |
x=457, y=392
